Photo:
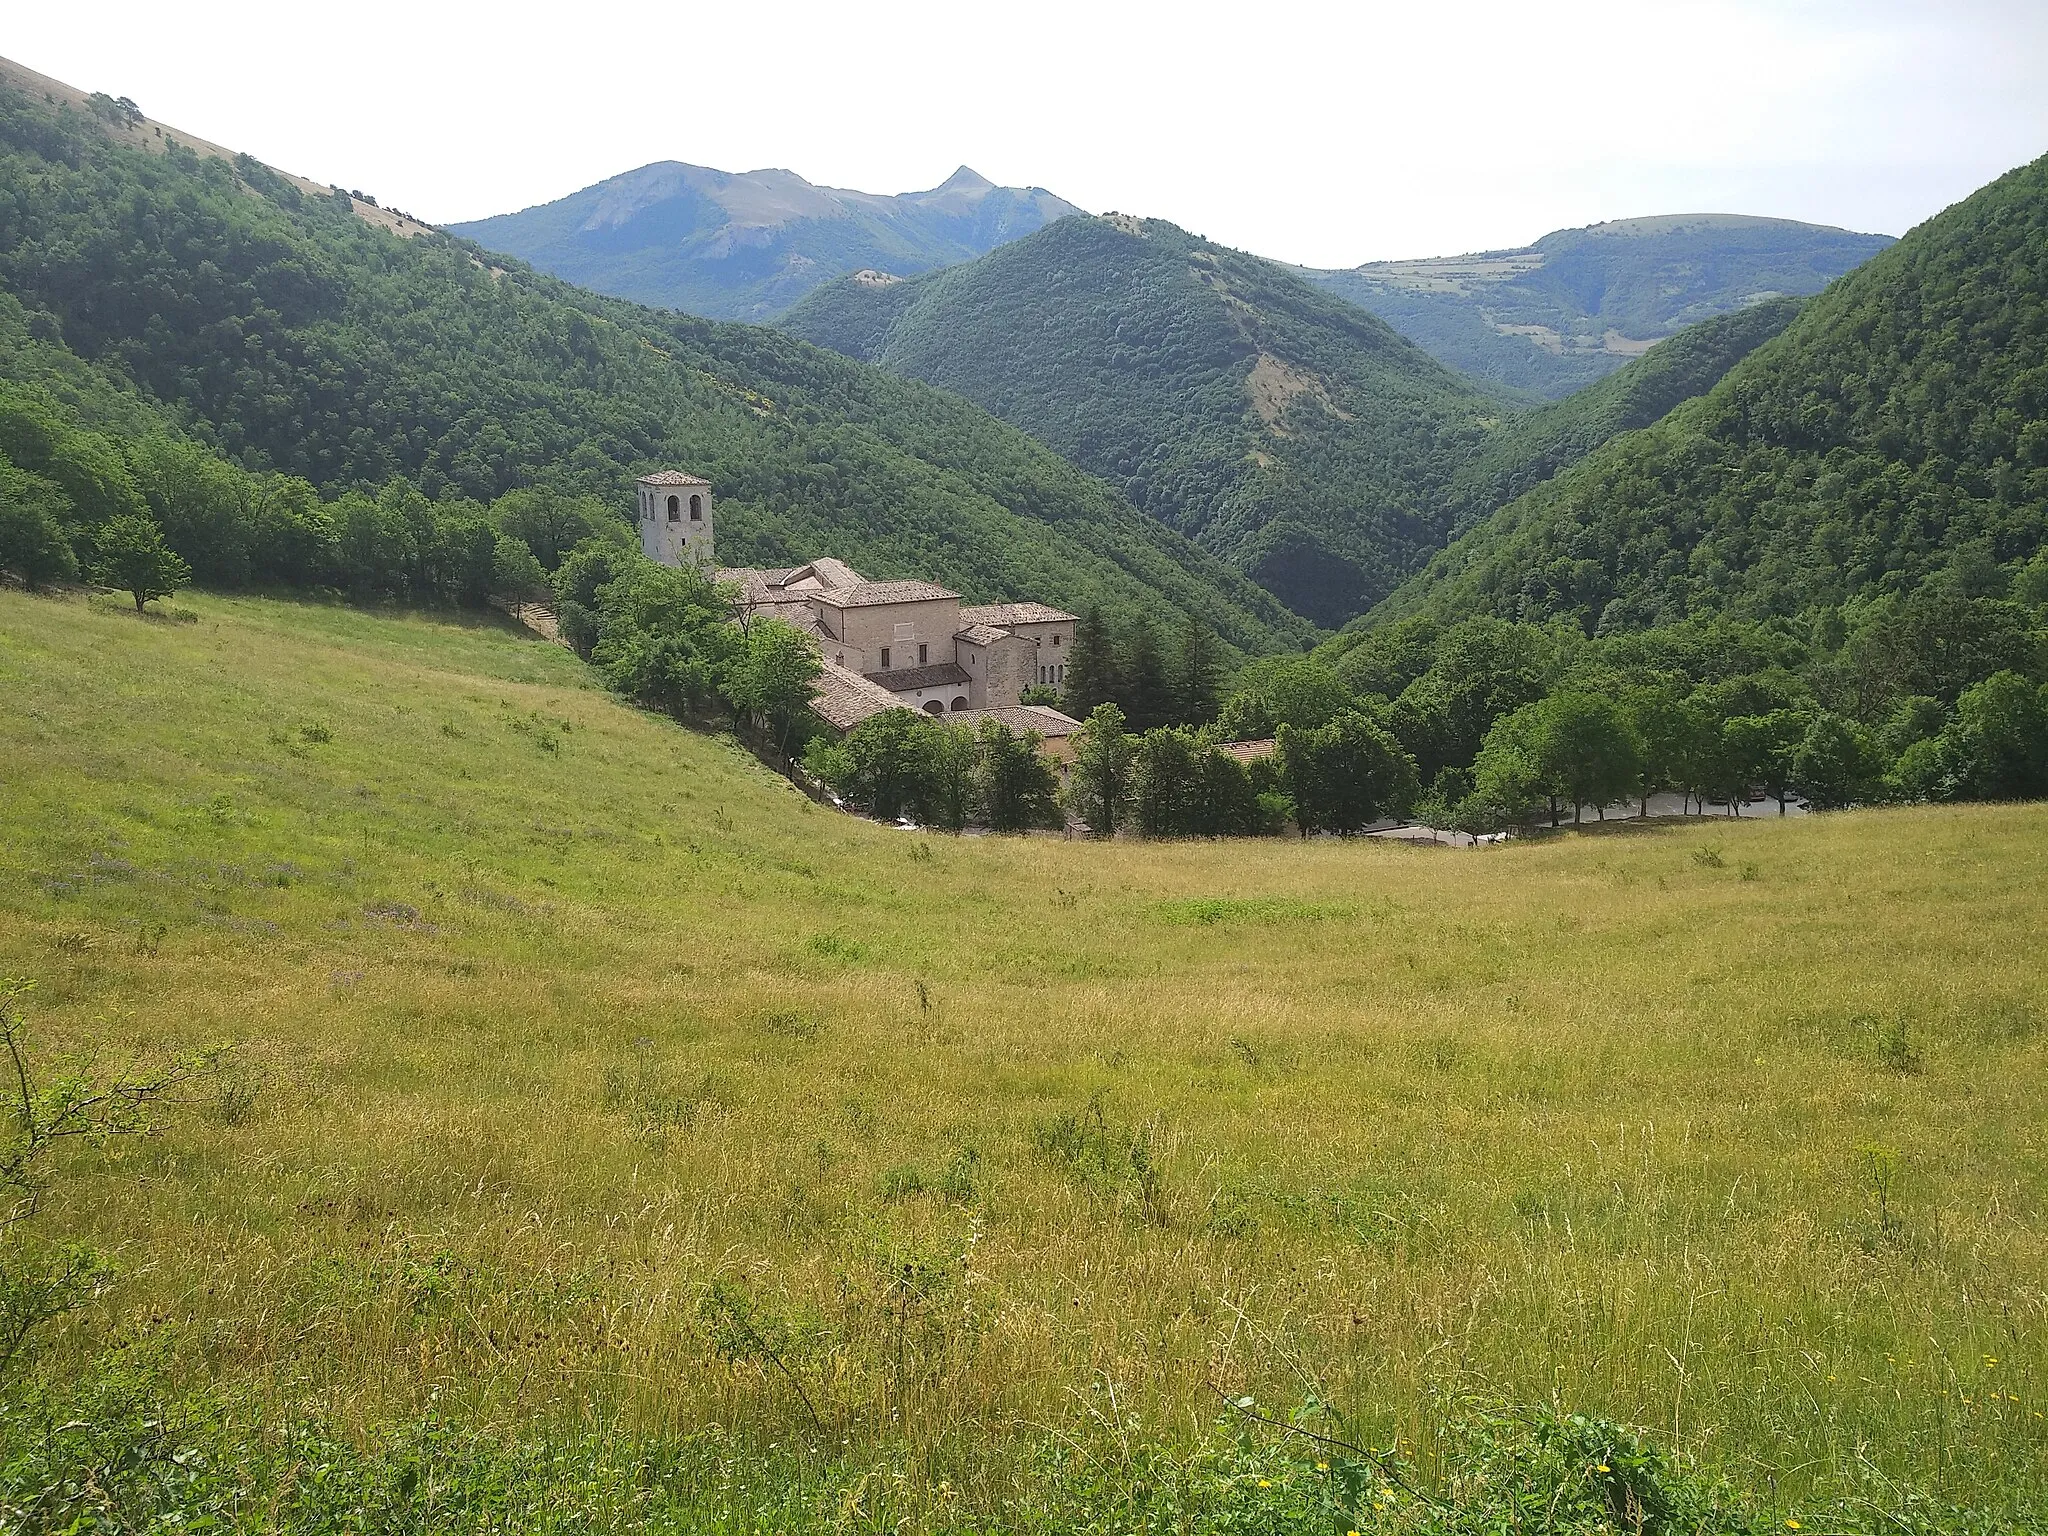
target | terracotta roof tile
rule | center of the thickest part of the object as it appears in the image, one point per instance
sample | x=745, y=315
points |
x=1042, y=718
x=937, y=674
x=1003, y=615
x=873, y=594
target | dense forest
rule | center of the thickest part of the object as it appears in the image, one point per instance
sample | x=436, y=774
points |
x=1893, y=434
x=1524, y=451
x=1272, y=423
x=215, y=304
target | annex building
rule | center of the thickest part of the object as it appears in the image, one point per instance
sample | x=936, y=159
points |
x=884, y=644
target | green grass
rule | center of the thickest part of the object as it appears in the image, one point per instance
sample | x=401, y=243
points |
x=590, y=1081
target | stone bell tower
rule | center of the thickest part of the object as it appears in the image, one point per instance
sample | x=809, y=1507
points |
x=675, y=518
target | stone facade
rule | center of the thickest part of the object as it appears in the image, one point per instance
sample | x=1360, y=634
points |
x=675, y=518
x=908, y=642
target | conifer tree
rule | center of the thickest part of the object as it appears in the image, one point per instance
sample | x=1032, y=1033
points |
x=1196, y=674
x=1092, y=677
x=1146, y=695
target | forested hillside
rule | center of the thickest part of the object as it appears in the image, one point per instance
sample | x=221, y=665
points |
x=1275, y=425
x=1894, y=432
x=1524, y=451
x=218, y=304
x=747, y=246
x=1579, y=303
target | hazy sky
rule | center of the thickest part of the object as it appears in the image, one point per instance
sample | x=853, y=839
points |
x=1321, y=133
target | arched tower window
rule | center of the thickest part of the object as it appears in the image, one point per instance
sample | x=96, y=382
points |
x=675, y=509
x=696, y=509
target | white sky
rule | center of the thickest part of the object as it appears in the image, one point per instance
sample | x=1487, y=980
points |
x=1324, y=133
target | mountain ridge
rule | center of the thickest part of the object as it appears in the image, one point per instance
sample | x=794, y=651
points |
x=1544, y=319
x=1278, y=426
x=746, y=245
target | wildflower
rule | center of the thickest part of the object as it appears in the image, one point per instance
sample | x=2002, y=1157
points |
x=1264, y=1484
x=1322, y=1466
x=1793, y=1525
x=1386, y=1493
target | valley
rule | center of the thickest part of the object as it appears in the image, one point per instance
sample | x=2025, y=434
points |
x=619, y=918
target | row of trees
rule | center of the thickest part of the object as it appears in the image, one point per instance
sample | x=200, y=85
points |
x=69, y=494
x=1176, y=781
x=905, y=764
x=1929, y=696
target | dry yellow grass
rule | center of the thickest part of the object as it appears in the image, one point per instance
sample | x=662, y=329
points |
x=576, y=1039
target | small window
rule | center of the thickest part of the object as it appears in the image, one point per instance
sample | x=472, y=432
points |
x=885, y=658
x=697, y=512
x=920, y=655
x=839, y=660
x=675, y=509
x=959, y=703
x=935, y=708
x=1055, y=638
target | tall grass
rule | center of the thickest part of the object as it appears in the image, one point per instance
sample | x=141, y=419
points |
x=590, y=1077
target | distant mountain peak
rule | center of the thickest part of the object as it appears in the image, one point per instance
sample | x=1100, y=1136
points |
x=748, y=245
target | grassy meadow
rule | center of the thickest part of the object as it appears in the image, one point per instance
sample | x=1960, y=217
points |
x=587, y=1078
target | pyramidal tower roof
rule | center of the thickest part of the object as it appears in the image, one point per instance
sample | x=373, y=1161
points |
x=672, y=477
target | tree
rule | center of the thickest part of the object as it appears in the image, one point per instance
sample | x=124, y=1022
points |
x=589, y=568
x=1484, y=669
x=1099, y=785
x=32, y=542
x=1197, y=671
x=1584, y=749
x=1092, y=676
x=1835, y=763
x=1273, y=691
x=516, y=575
x=1345, y=775
x=1164, y=782
x=1014, y=788
x=950, y=757
x=1657, y=717
x=893, y=764
x=663, y=639
x=133, y=558
x=1998, y=740
x=1145, y=694
x=1507, y=783
x=551, y=524
x=769, y=676
x=1761, y=749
